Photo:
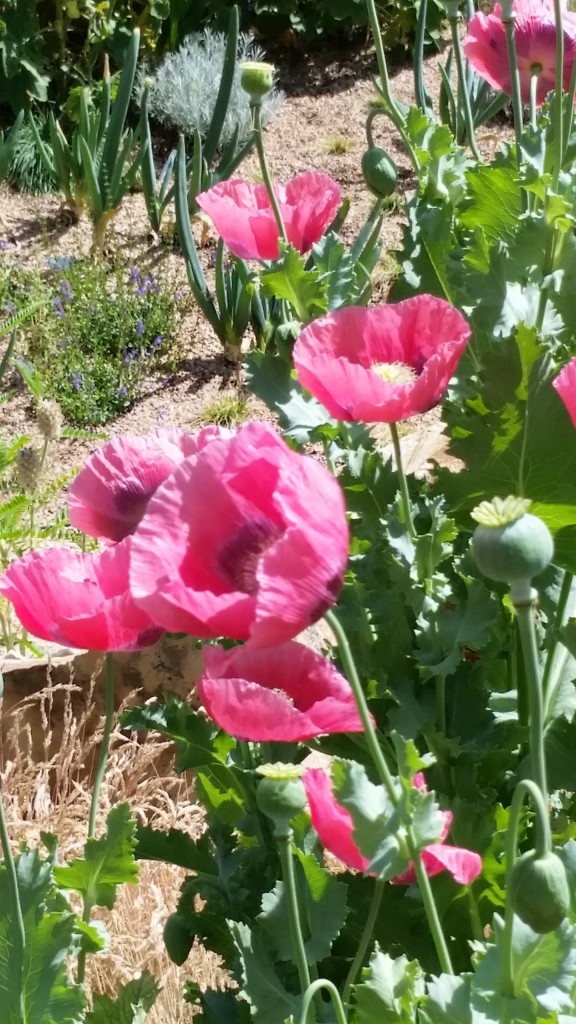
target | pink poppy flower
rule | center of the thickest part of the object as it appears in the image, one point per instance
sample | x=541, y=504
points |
x=535, y=35
x=286, y=693
x=110, y=494
x=246, y=539
x=78, y=599
x=335, y=828
x=565, y=384
x=243, y=217
x=382, y=364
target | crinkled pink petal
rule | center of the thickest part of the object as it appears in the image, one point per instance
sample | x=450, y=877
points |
x=286, y=693
x=110, y=494
x=265, y=562
x=337, y=356
x=535, y=36
x=78, y=599
x=463, y=865
x=243, y=217
x=565, y=385
x=332, y=822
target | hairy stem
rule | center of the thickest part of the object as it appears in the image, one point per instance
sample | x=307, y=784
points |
x=266, y=176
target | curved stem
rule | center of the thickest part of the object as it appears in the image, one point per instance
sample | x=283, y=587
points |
x=526, y=626
x=388, y=783
x=313, y=990
x=515, y=78
x=364, y=939
x=468, y=119
x=18, y=938
x=266, y=176
x=285, y=852
x=402, y=481
x=392, y=108
x=543, y=845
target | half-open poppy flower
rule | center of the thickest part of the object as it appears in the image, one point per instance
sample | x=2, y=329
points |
x=78, y=599
x=382, y=364
x=246, y=539
x=110, y=494
x=286, y=693
x=565, y=385
x=535, y=36
x=335, y=828
x=243, y=217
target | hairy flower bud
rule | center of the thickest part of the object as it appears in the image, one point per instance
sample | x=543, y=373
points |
x=281, y=795
x=510, y=545
x=49, y=419
x=539, y=890
x=28, y=466
x=257, y=79
x=380, y=172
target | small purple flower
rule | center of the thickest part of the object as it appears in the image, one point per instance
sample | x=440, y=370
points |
x=76, y=381
x=4, y=243
x=9, y=308
x=134, y=275
x=66, y=291
x=59, y=308
x=139, y=328
x=158, y=340
x=122, y=391
x=128, y=355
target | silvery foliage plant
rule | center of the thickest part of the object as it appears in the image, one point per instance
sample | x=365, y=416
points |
x=184, y=89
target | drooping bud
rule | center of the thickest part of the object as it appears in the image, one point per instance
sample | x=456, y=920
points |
x=49, y=419
x=257, y=79
x=379, y=172
x=511, y=545
x=281, y=795
x=539, y=891
x=28, y=467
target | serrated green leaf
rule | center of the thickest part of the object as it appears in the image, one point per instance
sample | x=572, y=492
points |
x=198, y=741
x=389, y=991
x=107, y=863
x=377, y=827
x=270, y=378
x=176, y=847
x=323, y=904
x=269, y=1000
x=217, y=1007
x=130, y=1005
x=336, y=268
x=289, y=279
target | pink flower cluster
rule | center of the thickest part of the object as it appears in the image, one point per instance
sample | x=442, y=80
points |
x=535, y=37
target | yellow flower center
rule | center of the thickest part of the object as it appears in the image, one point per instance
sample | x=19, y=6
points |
x=395, y=373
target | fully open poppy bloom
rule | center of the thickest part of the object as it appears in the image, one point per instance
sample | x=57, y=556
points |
x=243, y=217
x=78, y=599
x=535, y=36
x=335, y=828
x=109, y=496
x=565, y=384
x=245, y=539
x=285, y=693
x=382, y=364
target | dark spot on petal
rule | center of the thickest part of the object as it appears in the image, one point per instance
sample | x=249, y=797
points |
x=133, y=495
x=238, y=559
x=333, y=588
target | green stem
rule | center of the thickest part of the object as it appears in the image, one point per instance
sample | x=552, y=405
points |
x=314, y=989
x=533, y=91
x=103, y=755
x=18, y=936
x=266, y=176
x=364, y=939
x=440, y=688
x=515, y=78
x=285, y=851
x=558, y=105
x=543, y=845
x=475, y=919
x=405, y=496
x=468, y=119
x=392, y=108
x=554, y=666
x=525, y=616
x=388, y=783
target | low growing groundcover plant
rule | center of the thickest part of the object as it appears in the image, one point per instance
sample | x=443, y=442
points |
x=390, y=822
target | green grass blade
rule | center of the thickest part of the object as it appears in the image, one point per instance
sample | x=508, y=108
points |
x=224, y=92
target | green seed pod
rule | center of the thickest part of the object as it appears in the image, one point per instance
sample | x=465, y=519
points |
x=380, y=172
x=281, y=795
x=256, y=78
x=539, y=891
x=509, y=544
x=178, y=939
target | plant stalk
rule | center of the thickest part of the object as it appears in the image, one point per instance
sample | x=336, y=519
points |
x=515, y=77
x=404, y=493
x=103, y=755
x=313, y=990
x=527, y=630
x=18, y=938
x=267, y=178
x=558, y=105
x=300, y=959
x=365, y=938
x=468, y=119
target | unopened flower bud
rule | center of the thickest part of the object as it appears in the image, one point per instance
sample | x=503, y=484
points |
x=379, y=172
x=28, y=466
x=49, y=419
x=511, y=545
x=257, y=78
x=281, y=795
